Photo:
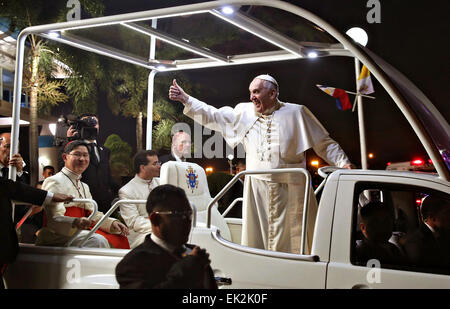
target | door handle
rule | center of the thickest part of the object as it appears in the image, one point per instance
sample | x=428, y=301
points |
x=223, y=281
x=360, y=286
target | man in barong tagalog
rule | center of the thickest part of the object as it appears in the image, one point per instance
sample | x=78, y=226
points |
x=275, y=135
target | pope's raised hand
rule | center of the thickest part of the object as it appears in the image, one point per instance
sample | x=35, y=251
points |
x=176, y=93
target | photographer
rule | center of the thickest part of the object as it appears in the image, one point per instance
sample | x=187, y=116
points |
x=98, y=175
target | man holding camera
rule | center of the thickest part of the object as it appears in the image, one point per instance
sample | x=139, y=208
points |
x=98, y=174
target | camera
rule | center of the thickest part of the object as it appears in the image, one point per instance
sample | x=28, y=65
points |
x=85, y=129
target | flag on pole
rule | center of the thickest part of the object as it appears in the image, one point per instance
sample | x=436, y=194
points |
x=365, y=85
x=342, y=100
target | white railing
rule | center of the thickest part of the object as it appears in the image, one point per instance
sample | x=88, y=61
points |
x=114, y=207
x=269, y=171
x=93, y=213
x=237, y=200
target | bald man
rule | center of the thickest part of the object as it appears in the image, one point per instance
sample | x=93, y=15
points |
x=275, y=135
x=180, y=149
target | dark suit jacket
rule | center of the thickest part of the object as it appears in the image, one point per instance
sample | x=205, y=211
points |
x=21, y=210
x=169, y=157
x=13, y=190
x=165, y=158
x=237, y=190
x=386, y=253
x=98, y=177
x=425, y=251
x=148, y=266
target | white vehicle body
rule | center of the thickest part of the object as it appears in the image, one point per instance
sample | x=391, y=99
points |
x=328, y=266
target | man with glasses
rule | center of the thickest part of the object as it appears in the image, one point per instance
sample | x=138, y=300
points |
x=64, y=220
x=164, y=260
x=147, y=168
x=98, y=173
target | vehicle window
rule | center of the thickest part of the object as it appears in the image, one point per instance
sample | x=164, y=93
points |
x=401, y=227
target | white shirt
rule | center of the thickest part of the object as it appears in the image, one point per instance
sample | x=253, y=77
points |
x=178, y=158
x=431, y=229
x=165, y=245
x=95, y=148
x=19, y=174
x=135, y=215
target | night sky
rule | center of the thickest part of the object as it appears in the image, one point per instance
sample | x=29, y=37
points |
x=412, y=36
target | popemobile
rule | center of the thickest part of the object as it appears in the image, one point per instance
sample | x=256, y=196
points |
x=331, y=261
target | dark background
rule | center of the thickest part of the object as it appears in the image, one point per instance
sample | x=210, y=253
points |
x=412, y=36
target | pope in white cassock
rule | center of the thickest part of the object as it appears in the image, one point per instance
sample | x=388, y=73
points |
x=275, y=134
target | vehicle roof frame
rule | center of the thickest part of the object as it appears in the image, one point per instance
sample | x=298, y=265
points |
x=348, y=45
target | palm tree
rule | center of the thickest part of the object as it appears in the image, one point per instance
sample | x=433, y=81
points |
x=121, y=161
x=42, y=91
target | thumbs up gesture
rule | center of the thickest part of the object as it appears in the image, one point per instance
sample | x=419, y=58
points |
x=176, y=93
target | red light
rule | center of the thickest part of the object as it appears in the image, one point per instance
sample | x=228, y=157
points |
x=389, y=163
x=429, y=161
x=418, y=202
x=417, y=162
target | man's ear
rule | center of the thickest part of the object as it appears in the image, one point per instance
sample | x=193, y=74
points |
x=273, y=93
x=154, y=218
x=363, y=227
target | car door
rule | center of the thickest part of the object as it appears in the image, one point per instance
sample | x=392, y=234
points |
x=343, y=272
x=250, y=268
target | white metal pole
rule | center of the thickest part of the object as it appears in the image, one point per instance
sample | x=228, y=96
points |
x=362, y=131
x=151, y=88
x=15, y=126
x=151, y=84
x=1, y=83
x=16, y=102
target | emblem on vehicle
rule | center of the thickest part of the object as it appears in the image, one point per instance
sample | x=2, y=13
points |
x=192, y=179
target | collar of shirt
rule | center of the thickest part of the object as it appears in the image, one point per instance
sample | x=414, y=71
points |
x=19, y=174
x=71, y=174
x=177, y=157
x=142, y=180
x=270, y=110
x=432, y=230
x=163, y=244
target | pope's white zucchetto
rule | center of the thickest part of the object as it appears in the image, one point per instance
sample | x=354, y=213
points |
x=268, y=78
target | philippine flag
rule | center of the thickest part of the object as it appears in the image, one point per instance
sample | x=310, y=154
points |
x=342, y=100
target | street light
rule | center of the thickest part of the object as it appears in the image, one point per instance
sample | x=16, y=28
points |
x=230, y=161
x=359, y=35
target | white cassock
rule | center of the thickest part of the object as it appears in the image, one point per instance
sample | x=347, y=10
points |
x=135, y=215
x=59, y=228
x=273, y=204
